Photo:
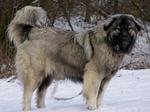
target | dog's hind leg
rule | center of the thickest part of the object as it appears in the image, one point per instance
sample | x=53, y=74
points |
x=30, y=84
x=41, y=92
x=28, y=77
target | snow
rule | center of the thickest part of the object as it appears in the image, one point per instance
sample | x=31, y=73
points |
x=77, y=23
x=128, y=91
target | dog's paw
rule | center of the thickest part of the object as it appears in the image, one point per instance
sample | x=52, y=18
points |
x=91, y=107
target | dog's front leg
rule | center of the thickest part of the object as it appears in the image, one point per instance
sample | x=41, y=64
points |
x=103, y=87
x=92, y=80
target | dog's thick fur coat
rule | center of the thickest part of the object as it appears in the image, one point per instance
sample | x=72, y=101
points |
x=46, y=54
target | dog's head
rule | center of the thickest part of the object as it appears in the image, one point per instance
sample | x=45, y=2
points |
x=122, y=32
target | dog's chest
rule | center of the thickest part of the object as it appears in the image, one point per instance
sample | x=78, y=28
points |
x=112, y=66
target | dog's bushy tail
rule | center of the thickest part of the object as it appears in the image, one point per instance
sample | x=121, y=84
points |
x=24, y=20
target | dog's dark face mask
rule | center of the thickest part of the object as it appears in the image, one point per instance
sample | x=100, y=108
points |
x=121, y=33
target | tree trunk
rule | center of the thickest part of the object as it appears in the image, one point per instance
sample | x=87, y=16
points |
x=116, y=6
x=87, y=10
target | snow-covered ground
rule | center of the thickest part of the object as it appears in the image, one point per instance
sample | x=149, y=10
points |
x=128, y=91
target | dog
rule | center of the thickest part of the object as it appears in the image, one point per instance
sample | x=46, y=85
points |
x=45, y=54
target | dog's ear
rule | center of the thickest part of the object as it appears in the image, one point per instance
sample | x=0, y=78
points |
x=108, y=25
x=137, y=24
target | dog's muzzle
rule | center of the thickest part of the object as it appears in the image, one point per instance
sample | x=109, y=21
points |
x=124, y=44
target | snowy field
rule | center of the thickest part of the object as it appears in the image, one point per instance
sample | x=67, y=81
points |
x=129, y=91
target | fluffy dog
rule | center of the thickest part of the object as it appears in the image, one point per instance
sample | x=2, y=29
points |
x=45, y=54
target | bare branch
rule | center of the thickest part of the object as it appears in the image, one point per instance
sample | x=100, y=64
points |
x=143, y=15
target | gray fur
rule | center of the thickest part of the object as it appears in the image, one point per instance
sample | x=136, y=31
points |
x=52, y=53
